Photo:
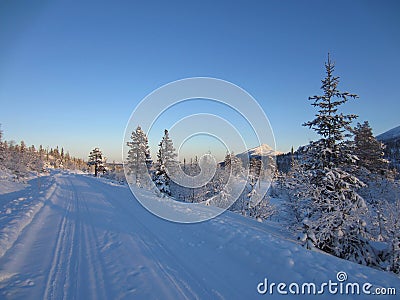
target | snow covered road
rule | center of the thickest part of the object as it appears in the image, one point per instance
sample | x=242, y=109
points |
x=92, y=240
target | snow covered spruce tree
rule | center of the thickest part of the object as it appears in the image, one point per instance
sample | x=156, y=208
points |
x=369, y=150
x=335, y=223
x=373, y=170
x=381, y=195
x=257, y=206
x=138, y=156
x=166, y=163
x=96, y=160
x=233, y=164
x=296, y=188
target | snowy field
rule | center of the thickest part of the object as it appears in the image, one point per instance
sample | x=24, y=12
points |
x=72, y=236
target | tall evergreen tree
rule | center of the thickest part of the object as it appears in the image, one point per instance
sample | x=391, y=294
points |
x=167, y=155
x=166, y=163
x=335, y=220
x=138, y=155
x=329, y=123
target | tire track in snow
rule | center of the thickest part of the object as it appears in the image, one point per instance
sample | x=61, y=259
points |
x=90, y=240
x=74, y=265
x=162, y=258
x=56, y=278
x=74, y=258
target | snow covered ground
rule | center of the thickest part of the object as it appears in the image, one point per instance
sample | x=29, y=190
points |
x=72, y=236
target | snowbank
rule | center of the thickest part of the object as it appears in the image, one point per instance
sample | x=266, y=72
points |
x=18, y=206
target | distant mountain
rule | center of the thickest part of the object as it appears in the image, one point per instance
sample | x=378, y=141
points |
x=391, y=139
x=263, y=150
x=393, y=133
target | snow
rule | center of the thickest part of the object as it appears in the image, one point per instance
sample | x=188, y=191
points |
x=390, y=134
x=86, y=238
x=8, y=183
x=260, y=151
x=18, y=206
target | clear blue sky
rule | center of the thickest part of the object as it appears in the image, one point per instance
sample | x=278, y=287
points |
x=71, y=72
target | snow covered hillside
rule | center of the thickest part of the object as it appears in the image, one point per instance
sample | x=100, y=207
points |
x=258, y=152
x=390, y=134
x=73, y=236
x=391, y=139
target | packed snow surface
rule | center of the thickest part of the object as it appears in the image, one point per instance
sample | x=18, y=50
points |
x=72, y=236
